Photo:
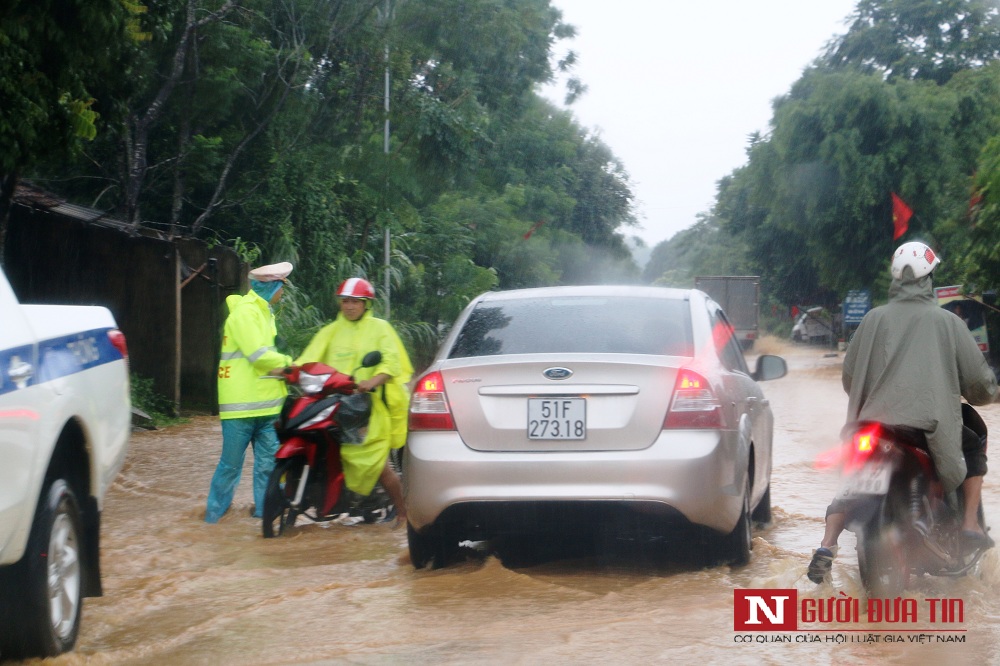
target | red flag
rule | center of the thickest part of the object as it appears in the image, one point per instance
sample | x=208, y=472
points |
x=533, y=229
x=901, y=214
x=974, y=202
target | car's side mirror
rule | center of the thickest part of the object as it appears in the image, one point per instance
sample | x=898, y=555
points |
x=770, y=367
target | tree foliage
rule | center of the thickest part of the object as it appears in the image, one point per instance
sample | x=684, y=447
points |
x=52, y=54
x=918, y=39
x=266, y=121
x=907, y=102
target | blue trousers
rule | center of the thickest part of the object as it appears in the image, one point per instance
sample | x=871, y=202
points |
x=236, y=435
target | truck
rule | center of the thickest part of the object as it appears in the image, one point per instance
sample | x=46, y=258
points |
x=65, y=424
x=739, y=296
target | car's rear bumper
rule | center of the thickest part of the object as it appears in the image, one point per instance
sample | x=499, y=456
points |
x=696, y=474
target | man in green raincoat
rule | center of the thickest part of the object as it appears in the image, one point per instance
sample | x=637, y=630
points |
x=341, y=345
x=907, y=365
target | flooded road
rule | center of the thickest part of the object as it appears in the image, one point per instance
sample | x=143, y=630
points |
x=179, y=591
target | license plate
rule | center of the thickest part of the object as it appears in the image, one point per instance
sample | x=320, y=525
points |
x=557, y=418
x=869, y=480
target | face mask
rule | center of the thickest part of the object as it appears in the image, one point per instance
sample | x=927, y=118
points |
x=266, y=289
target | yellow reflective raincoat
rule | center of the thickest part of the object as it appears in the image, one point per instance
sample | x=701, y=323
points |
x=248, y=353
x=341, y=345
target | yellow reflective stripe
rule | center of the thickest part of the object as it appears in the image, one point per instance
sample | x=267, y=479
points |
x=232, y=356
x=250, y=406
x=260, y=352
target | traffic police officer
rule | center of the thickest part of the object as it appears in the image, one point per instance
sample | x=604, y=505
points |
x=247, y=405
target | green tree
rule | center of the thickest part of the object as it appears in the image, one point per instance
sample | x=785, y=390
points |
x=705, y=248
x=919, y=39
x=981, y=259
x=265, y=122
x=814, y=200
x=51, y=54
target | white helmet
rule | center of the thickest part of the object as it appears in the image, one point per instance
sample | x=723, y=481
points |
x=920, y=258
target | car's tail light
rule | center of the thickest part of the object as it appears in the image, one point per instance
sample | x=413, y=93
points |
x=862, y=446
x=693, y=404
x=429, y=408
x=117, y=339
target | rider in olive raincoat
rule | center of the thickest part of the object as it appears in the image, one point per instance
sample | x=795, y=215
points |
x=909, y=364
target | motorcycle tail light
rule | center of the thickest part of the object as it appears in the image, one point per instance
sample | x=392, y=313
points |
x=694, y=404
x=863, y=445
x=429, y=408
x=312, y=383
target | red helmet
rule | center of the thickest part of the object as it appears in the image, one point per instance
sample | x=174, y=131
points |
x=356, y=288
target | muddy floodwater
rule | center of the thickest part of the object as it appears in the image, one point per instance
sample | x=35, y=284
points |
x=179, y=591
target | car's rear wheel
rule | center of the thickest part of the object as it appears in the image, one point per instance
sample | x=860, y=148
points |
x=737, y=544
x=42, y=594
x=762, y=512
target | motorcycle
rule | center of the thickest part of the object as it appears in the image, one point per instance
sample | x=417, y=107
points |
x=321, y=413
x=905, y=524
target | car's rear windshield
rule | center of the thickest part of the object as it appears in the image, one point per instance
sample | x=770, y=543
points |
x=577, y=324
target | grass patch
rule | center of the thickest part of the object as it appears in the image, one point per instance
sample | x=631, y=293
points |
x=159, y=408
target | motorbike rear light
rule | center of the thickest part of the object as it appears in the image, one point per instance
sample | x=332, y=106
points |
x=694, y=404
x=429, y=409
x=863, y=445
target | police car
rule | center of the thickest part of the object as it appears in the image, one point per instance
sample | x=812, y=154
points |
x=65, y=419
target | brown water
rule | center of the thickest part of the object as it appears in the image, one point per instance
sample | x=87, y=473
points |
x=178, y=591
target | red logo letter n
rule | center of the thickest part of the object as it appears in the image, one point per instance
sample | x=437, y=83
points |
x=765, y=610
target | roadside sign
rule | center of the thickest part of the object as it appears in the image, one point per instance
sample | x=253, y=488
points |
x=856, y=304
x=969, y=308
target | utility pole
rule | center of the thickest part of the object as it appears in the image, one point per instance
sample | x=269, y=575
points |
x=385, y=149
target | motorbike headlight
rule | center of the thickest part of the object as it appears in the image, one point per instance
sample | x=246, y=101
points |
x=312, y=383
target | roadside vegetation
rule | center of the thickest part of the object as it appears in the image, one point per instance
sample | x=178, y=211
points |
x=262, y=125
x=149, y=408
x=907, y=101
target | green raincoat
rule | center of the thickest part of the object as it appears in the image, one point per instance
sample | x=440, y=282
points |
x=909, y=364
x=341, y=345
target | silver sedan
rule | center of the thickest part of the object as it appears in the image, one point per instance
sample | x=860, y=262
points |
x=631, y=404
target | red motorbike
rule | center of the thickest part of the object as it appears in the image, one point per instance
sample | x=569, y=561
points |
x=321, y=413
x=905, y=524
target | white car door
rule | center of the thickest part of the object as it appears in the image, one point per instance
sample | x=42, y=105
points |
x=20, y=416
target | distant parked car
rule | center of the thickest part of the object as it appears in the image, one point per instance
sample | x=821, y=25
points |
x=815, y=325
x=630, y=404
x=65, y=421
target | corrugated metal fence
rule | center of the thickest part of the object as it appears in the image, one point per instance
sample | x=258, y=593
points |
x=168, y=296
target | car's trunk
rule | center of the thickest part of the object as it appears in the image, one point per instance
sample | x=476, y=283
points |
x=601, y=406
